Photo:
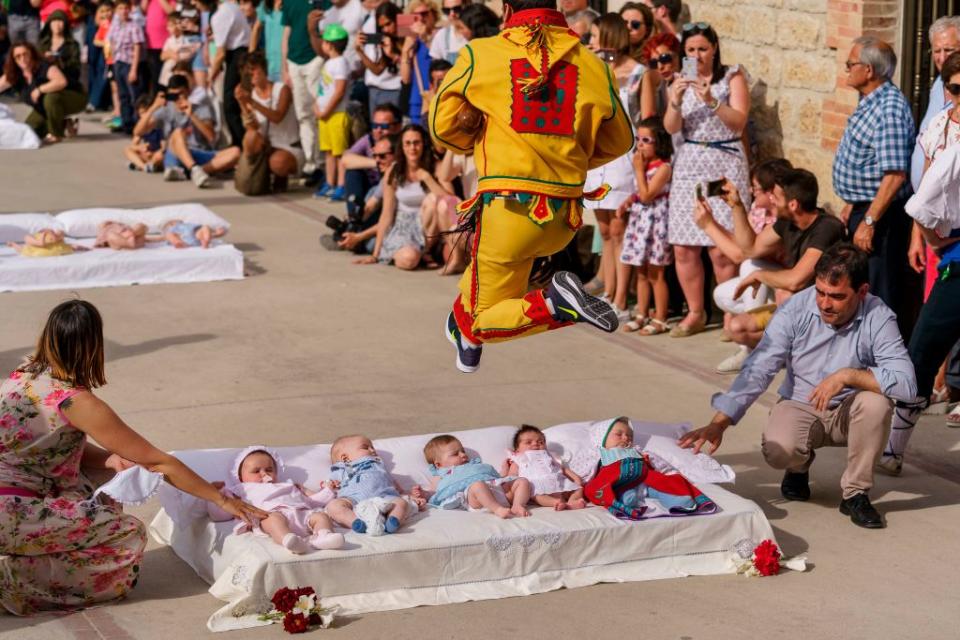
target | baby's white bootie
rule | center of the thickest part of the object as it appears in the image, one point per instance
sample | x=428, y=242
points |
x=326, y=539
x=369, y=512
x=295, y=544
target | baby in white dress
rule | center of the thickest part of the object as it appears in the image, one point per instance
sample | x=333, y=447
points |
x=296, y=521
x=552, y=483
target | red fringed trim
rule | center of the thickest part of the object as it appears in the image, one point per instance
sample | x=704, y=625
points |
x=464, y=321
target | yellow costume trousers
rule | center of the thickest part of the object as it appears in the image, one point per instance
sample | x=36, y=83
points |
x=494, y=304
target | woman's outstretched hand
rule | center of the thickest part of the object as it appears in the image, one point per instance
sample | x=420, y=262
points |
x=240, y=509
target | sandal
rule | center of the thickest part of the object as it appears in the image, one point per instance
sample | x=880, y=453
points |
x=71, y=127
x=685, y=331
x=636, y=324
x=51, y=139
x=654, y=327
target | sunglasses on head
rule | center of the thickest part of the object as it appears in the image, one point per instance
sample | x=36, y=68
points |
x=454, y=10
x=663, y=58
x=698, y=26
x=381, y=125
x=636, y=24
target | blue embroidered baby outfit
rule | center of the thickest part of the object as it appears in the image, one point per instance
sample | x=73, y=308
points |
x=364, y=478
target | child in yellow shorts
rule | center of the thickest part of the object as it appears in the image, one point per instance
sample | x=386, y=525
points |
x=331, y=110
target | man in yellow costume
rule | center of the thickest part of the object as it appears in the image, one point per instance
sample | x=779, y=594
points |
x=537, y=109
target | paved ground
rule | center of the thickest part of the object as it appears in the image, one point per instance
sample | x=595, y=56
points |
x=310, y=346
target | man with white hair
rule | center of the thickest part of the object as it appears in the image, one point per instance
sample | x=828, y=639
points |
x=944, y=40
x=871, y=174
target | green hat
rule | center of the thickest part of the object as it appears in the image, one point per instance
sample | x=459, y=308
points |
x=335, y=32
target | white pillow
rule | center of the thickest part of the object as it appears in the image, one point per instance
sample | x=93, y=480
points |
x=13, y=226
x=82, y=223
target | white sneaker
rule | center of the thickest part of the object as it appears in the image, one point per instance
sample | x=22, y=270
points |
x=623, y=315
x=890, y=464
x=174, y=174
x=199, y=176
x=734, y=363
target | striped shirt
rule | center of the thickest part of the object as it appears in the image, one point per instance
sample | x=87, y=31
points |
x=123, y=38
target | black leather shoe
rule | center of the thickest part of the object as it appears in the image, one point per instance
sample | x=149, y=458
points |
x=795, y=486
x=861, y=512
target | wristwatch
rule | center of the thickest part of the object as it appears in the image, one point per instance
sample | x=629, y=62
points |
x=868, y=220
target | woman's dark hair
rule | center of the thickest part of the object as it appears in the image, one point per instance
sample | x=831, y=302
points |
x=951, y=67
x=662, y=141
x=11, y=70
x=719, y=69
x=524, y=5
x=636, y=50
x=800, y=185
x=524, y=428
x=398, y=174
x=388, y=10
x=843, y=260
x=440, y=65
x=482, y=21
x=769, y=172
x=71, y=346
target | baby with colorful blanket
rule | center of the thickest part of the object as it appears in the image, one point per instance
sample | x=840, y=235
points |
x=296, y=521
x=628, y=486
x=43, y=244
x=552, y=483
x=368, y=499
x=460, y=482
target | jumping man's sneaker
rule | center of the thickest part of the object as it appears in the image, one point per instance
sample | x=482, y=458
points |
x=468, y=354
x=174, y=174
x=571, y=303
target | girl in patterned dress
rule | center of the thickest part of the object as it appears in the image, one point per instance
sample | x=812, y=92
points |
x=59, y=547
x=646, y=246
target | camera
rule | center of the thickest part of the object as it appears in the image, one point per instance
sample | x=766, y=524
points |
x=338, y=226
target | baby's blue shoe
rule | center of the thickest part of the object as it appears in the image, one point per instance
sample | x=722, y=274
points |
x=392, y=524
x=359, y=526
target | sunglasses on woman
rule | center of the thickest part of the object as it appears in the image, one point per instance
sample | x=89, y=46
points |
x=953, y=88
x=382, y=156
x=381, y=125
x=636, y=24
x=422, y=14
x=663, y=58
x=452, y=10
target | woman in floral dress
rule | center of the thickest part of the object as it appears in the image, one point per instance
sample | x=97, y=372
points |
x=711, y=115
x=59, y=548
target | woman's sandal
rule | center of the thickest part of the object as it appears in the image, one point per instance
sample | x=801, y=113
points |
x=51, y=139
x=685, y=331
x=637, y=324
x=71, y=127
x=654, y=327
x=953, y=418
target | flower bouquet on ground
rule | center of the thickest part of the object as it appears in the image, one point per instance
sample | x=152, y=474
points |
x=299, y=610
x=763, y=559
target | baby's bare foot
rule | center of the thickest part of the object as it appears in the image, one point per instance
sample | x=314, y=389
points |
x=502, y=512
x=520, y=511
x=579, y=503
x=560, y=505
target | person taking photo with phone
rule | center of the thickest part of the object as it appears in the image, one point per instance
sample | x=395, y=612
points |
x=709, y=104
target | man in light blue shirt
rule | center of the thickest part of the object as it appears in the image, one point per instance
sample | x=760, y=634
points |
x=845, y=363
x=944, y=40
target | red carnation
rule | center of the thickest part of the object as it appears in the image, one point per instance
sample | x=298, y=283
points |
x=284, y=600
x=766, y=558
x=304, y=591
x=315, y=619
x=295, y=623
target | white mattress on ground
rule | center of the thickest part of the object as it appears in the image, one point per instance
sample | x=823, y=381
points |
x=443, y=557
x=154, y=264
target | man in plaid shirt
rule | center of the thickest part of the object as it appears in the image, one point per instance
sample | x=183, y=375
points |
x=871, y=173
x=126, y=42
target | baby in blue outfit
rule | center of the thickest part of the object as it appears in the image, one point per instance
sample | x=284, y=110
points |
x=182, y=234
x=460, y=482
x=368, y=499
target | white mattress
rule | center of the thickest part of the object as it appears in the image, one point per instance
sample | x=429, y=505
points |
x=154, y=264
x=444, y=557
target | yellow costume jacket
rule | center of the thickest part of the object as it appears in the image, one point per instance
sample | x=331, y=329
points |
x=551, y=108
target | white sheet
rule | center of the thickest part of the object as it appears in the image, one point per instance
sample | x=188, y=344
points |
x=449, y=556
x=15, y=135
x=154, y=264
x=82, y=223
x=13, y=226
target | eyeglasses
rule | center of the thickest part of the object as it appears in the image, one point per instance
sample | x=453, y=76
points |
x=422, y=14
x=454, y=10
x=381, y=125
x=663, y=58
x=382, y=156
x=850, y=65
x=645, y=140
x=953, y=88
x=636, y=24
x=698, y=26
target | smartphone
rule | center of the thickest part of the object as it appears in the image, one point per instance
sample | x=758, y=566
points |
x=690, y=68
x=698, y=190
x=404, y=22
x=374, y=38
x=715, y=188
